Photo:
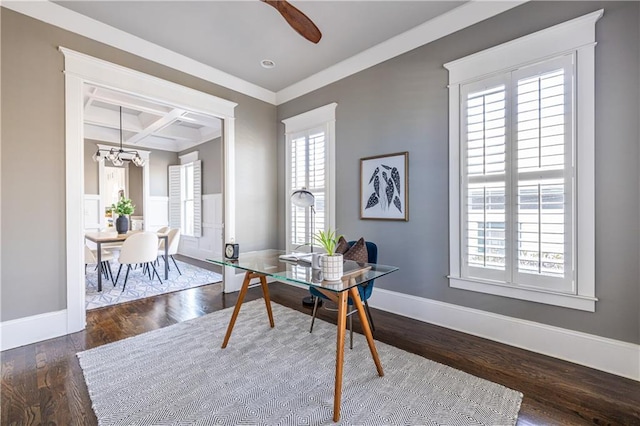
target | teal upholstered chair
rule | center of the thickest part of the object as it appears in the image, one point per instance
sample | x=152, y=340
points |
x=365, y=293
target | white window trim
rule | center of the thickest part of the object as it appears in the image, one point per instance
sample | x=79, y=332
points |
x=574, y=36
x=319, y=117
x=189, y=158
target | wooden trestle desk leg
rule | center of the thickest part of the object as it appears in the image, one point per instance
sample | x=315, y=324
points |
x=342, y=325
x=355, y=296
x=248, y=276
x=342, y=299
x=267, y=299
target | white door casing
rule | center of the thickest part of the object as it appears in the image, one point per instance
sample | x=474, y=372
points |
x=80, y=69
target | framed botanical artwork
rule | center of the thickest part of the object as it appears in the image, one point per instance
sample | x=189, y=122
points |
x=384, y=187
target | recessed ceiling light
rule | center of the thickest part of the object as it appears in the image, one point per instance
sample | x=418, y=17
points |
x=267, y=63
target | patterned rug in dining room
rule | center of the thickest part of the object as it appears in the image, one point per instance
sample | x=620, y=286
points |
x=285, y=375
x=140, y=286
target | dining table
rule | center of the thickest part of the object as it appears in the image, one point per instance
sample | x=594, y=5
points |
x=104, y=237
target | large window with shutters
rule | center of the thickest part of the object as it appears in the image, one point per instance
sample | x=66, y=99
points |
x=516, y=170
x=310, y=153
x=522, y=167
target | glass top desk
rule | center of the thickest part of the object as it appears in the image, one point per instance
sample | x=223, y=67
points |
x=267, y=263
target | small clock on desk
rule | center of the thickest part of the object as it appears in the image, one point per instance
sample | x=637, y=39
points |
x=231, y=251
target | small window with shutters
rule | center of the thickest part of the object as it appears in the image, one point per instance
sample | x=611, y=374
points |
x=521, y=169
x=310, y=152
x=185, y=198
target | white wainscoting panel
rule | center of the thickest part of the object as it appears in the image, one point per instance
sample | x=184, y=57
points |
x=612, y=356
x=92, y=214
x=210, y=244
x=157, y=214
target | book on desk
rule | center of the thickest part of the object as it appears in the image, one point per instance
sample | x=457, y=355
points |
x=297, y=257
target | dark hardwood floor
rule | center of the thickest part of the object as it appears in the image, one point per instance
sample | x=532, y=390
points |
x=42, y=383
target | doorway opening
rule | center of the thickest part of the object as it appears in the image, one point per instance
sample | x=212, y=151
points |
x=85, y=74
x=173, y=137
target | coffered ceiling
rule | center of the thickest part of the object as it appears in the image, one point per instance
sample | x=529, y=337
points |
x=145, y=123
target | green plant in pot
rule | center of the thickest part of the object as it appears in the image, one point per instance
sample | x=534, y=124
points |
x=123, y=208
x=330, y=263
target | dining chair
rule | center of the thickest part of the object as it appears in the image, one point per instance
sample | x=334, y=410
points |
x=173, y=243
x=364, y=291
x=140, y=248
x=91, y=257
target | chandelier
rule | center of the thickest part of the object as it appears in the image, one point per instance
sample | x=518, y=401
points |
x=116, y=155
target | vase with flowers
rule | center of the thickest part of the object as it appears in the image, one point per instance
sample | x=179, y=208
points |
x=123, y=208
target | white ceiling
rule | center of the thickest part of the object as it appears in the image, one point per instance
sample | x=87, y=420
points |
x=234, y=36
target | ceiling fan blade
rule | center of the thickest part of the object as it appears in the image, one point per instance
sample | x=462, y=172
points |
x=298, y=20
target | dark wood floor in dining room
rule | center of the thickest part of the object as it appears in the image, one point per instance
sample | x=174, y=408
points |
x=42, y=383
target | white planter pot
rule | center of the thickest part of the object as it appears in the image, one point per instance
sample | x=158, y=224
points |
x=332, y=267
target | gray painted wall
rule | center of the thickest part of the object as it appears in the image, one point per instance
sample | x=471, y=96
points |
x=402, y=105
x=159, y=161
x=135, y=189
x=32, y=68
x=210, y=153
x=91, y=170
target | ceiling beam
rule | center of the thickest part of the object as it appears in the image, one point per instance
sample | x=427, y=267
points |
x=129, y=101
x=157, y=125
x=111, y=119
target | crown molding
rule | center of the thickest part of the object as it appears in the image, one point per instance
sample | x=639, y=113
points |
x=461, y=17
x=456, y=19
x=59, y=16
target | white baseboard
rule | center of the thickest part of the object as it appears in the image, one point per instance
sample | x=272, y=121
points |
x=609, y=355
x=24, y=331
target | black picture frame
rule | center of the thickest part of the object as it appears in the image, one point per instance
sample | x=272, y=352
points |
x=384, y=187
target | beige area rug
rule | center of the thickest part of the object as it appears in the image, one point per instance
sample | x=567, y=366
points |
x=179, y=375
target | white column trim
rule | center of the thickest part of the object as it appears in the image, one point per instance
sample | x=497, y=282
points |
x=231, y=282
x=74, y=158
x=609, y=355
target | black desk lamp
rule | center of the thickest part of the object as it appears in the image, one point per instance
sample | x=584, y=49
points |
x=304, y=198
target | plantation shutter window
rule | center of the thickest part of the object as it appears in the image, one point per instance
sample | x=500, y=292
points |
x=522, y=167
x=308, y=151
x=175, y=205
x=543, y=101
x=310, y=164
x=197, y=198
x=485, y=178
x=185, y=198
x=517, y=177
